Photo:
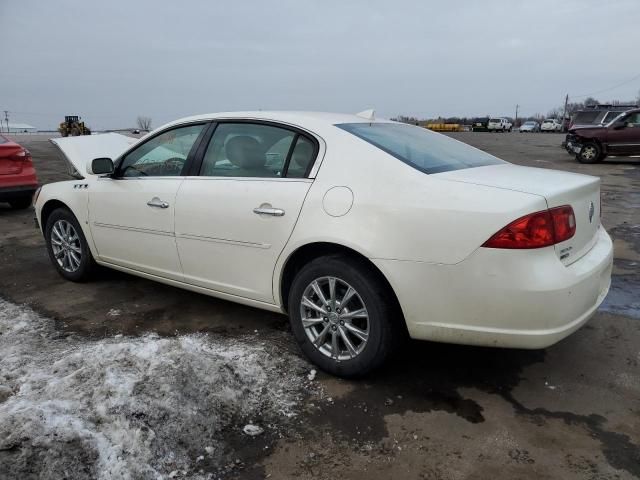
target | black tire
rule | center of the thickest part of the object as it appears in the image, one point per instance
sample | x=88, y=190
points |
x=590, y=153
x=87, y=264
x=20, y=203
x=384, y=327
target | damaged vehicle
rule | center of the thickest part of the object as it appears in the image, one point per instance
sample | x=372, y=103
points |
x=362, y=230
x=620, y=137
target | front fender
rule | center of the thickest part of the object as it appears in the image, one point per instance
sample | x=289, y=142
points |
x=72, y=194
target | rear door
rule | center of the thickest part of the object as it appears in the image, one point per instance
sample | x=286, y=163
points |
x=236, y=213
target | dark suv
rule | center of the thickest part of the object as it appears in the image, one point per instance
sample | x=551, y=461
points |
x=620, y=137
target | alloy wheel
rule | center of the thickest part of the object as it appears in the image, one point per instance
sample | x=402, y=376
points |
x=66, y=246
x=588, y=152
x=335, y=318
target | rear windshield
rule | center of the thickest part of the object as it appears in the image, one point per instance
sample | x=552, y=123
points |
x=585, y=118
x=529, y=123
x=424, y=150
x=495, y=120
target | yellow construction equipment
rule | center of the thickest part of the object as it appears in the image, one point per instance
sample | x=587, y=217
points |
x=444, y=127
x=73, y=126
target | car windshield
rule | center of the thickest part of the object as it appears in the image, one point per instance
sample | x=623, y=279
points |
x=3, y=140
x=529, y=123
x=424, y=150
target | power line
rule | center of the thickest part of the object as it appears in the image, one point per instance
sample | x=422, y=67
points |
x=607, y=89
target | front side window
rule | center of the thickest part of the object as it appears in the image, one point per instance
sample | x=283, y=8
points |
x=633, y=120
x=256, y=150
x=163, y=155
x=424, y=150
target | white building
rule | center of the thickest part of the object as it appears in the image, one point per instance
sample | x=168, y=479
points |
x=17, y=127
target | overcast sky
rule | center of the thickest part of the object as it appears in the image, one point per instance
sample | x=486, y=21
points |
x=113, y=60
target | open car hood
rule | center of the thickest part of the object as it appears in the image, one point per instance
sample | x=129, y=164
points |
x=79, y=150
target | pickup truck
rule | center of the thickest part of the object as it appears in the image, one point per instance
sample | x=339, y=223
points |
x=620, y=137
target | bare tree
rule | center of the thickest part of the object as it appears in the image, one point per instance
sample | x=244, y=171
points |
x=144, y=123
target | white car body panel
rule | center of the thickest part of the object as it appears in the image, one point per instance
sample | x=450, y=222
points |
x=423, y=232
x=226, y=247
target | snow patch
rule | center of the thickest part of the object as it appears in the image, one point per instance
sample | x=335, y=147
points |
x=131, y=408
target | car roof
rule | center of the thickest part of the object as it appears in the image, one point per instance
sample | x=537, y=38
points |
x=301, y=118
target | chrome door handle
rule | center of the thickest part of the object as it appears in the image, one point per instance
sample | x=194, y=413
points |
x=156, y=202
x=274, y=212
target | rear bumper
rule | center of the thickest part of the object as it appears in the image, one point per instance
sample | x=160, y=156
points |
x=502, y=298
x=15, y=192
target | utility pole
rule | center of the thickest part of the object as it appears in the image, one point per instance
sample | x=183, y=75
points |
x=566, y=101
x=515, y=121
x=6, y=118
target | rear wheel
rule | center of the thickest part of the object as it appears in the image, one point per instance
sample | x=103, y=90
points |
x=590, y=153
x=342, y=316
x=67, y=246
x=20, y=203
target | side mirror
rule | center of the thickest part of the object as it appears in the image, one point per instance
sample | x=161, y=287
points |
x=100, y=166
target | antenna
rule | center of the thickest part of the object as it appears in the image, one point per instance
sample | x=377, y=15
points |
x=367, y=114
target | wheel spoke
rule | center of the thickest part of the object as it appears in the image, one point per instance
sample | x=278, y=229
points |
x=59, y=254
x=348, y=295
x=334, y=345
x=75, y=259
x=347, y=342
x=75, y=248
x=308, y=303
x=310, y=322
x=56, y=242
x=332, y=292
x=359, y=313
x=56, y=231
x=316, y=288
x=356, y=332
x=319, y=341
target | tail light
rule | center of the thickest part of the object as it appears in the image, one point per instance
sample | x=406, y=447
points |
x=536, y=230
x=23, y=155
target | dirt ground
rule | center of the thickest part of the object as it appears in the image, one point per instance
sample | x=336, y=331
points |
x=437, y=411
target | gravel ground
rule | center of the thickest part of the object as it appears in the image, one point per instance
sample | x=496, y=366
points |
x=88, y=371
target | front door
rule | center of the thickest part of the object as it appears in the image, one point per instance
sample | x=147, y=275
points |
x=624, y=137
x=131, y=214
x=234, y=219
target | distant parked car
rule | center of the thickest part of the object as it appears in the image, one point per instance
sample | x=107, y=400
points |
x=292, y=212
x=620, y=137
x=530, y=126
x=135, y=131
x=499, y=125
x=551, y=125
x=480, y=124
x=18, y=180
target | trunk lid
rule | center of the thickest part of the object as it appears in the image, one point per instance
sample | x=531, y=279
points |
x=79, y=150
x=558, y=188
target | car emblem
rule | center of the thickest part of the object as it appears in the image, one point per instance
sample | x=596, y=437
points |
x=592, y=210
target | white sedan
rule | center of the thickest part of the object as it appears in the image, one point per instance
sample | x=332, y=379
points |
x=361, y=230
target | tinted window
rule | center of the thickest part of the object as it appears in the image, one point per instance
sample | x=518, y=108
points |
x=427, y=151
x=163, y=155
x=495, y=120
x=255, y=150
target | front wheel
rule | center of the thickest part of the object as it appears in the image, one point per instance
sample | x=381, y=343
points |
x=67, y=246
x=343, y=316
x=590, y=153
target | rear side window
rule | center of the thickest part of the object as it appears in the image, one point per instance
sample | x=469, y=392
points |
x=257, y=150
x=424, y=150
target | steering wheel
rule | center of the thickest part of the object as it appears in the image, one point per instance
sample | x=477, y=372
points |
x=172, y=165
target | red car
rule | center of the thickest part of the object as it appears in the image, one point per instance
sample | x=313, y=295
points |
x=18, y=180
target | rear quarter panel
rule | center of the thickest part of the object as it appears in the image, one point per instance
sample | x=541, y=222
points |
x=398, y=212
